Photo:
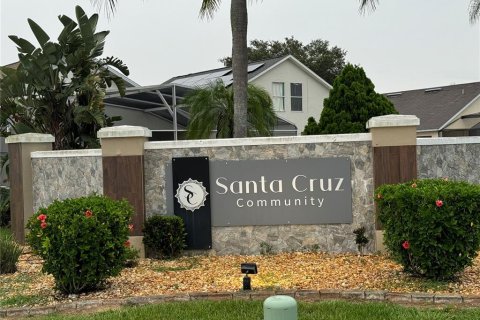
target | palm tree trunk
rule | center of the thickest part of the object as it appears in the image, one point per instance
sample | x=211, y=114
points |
x=239, y=22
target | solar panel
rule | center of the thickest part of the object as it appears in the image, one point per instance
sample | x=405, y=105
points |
x=254, y=67
x=204, y=79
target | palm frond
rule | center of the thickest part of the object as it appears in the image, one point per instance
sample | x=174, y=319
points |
x=474, y=12
x=108, y=6
x=208, y=8
x=368, y=4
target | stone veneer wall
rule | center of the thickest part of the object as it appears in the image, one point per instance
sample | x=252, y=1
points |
x=65, y=174
x=247, y=239
x=453, y=158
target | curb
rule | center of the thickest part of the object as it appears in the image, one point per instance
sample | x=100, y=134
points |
x=300, y=295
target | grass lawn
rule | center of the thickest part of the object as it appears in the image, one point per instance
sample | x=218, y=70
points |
x=242, y=310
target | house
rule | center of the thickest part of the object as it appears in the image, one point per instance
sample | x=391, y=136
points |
x=448, y=111
x=296, y=91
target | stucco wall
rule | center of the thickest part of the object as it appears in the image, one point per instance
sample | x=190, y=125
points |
x=452, y=158
x=65, y=174
x=313, y=92
x=247, y=239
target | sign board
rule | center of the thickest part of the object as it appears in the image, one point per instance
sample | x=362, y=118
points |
x=279, y=192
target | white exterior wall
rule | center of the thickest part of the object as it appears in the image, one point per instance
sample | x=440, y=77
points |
x=313, y=92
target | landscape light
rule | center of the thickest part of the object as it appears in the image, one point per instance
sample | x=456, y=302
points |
x=248, y=268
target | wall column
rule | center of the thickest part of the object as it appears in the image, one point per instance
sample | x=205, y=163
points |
x=123, y=172
x=394, y=142
x=20, y=146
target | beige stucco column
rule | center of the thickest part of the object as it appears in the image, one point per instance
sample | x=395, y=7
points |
x=394, y=141
x=123, y=172
x=20, y=146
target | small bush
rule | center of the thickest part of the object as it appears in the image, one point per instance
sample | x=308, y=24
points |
x=131, y=257
x=360, y=239
x=82, y=241
x=10, y=251
x=164, y=235
x=432, y=226
x=266, y=248
x=4, y=206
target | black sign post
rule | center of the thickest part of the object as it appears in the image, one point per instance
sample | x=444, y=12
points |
x=191, y=190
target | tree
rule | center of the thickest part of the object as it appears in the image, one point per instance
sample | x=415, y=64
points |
x=351, y=103
x=326, y=62
x=59, y=87
x=212, y=108
x=239, y=24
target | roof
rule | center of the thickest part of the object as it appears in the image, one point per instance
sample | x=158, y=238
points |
x=255, y=70
x=225, y=74
x=436, y=107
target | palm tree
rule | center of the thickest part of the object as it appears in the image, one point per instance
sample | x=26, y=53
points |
x=239, y=23
x=212, y=107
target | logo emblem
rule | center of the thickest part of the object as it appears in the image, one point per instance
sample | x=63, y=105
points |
x=191, y=194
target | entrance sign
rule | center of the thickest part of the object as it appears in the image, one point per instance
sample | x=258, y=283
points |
x=191, y=185
x=270, y=192
x=276, y=192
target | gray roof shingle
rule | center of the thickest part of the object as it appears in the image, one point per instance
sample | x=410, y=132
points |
x=434, y=106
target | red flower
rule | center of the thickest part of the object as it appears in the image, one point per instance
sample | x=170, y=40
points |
x=43, y=225
x=439, y=203
x=42, y=217
x=406, y=245
x=130, y=227
x=88, y=213
x=127, y=243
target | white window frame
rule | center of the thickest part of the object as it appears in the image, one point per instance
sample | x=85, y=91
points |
x=278, y=100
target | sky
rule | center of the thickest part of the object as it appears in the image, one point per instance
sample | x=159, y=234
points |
x=404, y=44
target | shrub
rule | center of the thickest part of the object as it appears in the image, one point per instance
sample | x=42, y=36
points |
x=432, y=226
x=4, y=206
x=10, y=251
x=82, y=240
x=131, y=257
x=360, y=239
x=164, y=235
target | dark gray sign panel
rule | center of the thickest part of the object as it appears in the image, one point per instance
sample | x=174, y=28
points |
x=278, y=192
x=190, y=178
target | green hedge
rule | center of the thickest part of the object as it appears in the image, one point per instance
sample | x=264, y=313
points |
x=164, y=236
x=82, y=241
x=432, y=226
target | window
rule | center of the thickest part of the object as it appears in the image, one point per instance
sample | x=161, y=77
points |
x=278, y=96
x=296, y=96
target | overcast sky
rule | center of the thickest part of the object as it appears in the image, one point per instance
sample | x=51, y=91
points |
x=404, y=44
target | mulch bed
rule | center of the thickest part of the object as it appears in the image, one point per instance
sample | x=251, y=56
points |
x=284, y=271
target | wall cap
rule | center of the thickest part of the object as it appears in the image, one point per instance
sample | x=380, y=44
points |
x=393, y=120
x=67, y=153
x=30, y=138
x=331, y=138
x=123, y=132
x=448, y=140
